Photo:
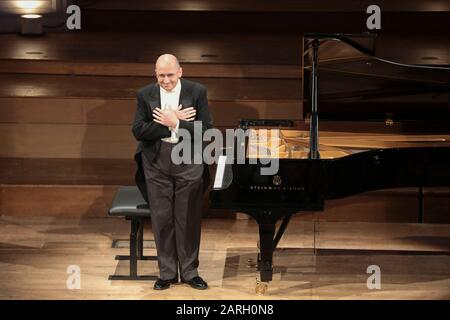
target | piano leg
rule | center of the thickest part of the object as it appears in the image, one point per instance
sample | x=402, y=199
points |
x=266, y=236
x=277, y=238
x=268, y=241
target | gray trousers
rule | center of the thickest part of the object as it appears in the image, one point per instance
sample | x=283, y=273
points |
x=175, y=194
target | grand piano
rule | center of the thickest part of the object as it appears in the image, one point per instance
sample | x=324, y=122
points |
x=384, y=124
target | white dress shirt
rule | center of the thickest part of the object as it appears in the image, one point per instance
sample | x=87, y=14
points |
x=170, y=100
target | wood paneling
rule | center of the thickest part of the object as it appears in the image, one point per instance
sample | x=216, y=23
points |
x=64, y=200
x=48, y=171
x=106, y=111
x=139, y=48
x=65, y=119
x=393, y=205
x=66, y=141
x=396, y=205
x=62, y=111
x=271, y=5
x=290, y=23
x=26, y=85
x=217, y=55
x=226, y=114
x=53, y=201
x=437, y=205
x=195, y=70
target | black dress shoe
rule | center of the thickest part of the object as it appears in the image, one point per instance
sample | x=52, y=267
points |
x=197, y=283
x=161, y=284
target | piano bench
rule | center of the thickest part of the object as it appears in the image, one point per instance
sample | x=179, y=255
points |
x=128, y=203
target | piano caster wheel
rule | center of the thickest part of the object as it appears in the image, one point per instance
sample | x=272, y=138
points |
x=261, y=287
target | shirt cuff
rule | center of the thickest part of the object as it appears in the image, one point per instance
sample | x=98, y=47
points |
x=176, y=127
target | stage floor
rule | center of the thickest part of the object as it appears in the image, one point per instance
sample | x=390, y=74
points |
x=315, y=260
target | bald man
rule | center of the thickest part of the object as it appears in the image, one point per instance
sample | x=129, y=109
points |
x=174, y=192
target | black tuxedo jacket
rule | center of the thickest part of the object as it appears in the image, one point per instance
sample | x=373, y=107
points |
x=149, y=133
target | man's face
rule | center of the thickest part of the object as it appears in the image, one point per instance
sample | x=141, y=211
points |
x=168, y=75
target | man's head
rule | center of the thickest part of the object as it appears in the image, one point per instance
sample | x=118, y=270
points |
x=168, y=71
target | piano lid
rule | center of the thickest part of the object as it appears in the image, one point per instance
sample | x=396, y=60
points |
x=355, y=83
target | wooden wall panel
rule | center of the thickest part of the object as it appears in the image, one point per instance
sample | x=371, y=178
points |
x=71, y=86
x=271, y=6
x=196, y=70
x=121, y=111
x=100, y=128
x=67, y=110
x=395, y=205
x=62, y=201
x=67, y=201
x=94, y=201
x=437, y=205
x=139, y=47
x=66, y=138
x=66, y=141
x=49, y=171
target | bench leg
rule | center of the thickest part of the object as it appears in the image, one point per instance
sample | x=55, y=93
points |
x=140, y=239
x=136, y=252
x=133, y=246
x=140, y=245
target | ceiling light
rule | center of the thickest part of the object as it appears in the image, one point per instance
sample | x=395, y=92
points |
x=30, y=5
x=31, y=24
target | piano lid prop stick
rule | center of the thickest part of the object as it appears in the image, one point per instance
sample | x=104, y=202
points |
x=313, y=127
